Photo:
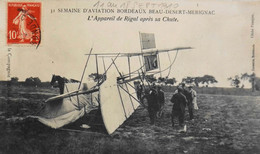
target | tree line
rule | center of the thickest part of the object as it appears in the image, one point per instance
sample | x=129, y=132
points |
x=238, y=81
x=206, y=80
x=30, y=81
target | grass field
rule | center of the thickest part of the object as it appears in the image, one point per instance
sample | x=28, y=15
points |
x=223, y=124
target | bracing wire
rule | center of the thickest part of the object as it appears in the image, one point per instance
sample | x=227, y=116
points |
x=169, y=67
x=134, y=71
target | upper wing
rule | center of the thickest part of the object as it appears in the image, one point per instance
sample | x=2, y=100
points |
x=146, y=52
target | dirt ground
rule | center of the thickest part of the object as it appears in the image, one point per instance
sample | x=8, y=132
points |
x=223, y=124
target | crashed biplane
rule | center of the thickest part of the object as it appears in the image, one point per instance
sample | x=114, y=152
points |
x=112, y=97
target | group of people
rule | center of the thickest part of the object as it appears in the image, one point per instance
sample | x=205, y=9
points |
x=182, y=97
x=153, y=99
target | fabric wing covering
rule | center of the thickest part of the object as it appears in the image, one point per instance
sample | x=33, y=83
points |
x=148, y=41
x=67, y=110
x=116, y=103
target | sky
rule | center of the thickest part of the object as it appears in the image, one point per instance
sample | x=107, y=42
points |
x=221, y=43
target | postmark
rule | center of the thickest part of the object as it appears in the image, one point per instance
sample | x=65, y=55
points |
x=24, y=23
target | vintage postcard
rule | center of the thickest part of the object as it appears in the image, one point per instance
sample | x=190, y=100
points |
x=123, y=76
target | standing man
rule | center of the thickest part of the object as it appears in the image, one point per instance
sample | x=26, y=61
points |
x=161, y=100
x=178, y=109
x=152, y=105
x=194, y=98
x=139, y=91
x=188, y=96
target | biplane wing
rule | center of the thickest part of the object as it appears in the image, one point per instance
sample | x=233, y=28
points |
x=118, y=101
x=146, y=52
x=60, y=112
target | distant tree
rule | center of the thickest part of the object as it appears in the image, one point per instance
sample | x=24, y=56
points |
x=29, y=81
x=32, y=81
x=161, y=80
x=188, y=80
x=235, y=81
x=257, y=83
x=208, y=79
x=197, y=81
x=171, y=81
x=245, y=76
x=37, y=81
x=250, y=78
x=14, y=79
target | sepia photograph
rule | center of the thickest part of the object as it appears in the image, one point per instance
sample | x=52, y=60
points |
x=118, y=76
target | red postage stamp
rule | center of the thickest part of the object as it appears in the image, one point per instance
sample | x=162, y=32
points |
x=23, y=23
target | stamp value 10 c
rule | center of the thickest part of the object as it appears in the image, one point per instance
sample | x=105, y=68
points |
x=23, y=23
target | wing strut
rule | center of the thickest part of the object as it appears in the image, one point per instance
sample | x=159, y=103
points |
x=97, y=67
x=170, y=61
x=129, y=66
x=125, y=85
x=83, y=75
x=122, y=101
x=104, y=64
x=158, y=60
x=129, y=93
x=85, y=68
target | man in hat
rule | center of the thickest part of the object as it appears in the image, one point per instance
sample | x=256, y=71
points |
x=194, y=97
x=178, y=109
x=189, y=99
x=161, y=100
x=139, y=91
x=153, y=105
